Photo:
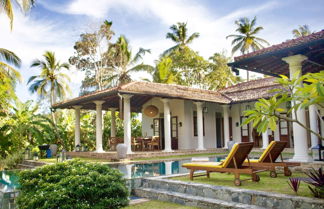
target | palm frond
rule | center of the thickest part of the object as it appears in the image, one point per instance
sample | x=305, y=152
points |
x=192, y=37
x=9, y=57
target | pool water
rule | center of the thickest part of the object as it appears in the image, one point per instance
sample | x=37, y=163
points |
x=156, y=169
x=8, y=181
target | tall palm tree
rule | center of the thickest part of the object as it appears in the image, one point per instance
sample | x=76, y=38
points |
x=179, y=35
x=6, y=6
x=247, y=40
x=8, y=76
x=51, y=82
x=9, y=58
x=123, y=63
x=303, y=30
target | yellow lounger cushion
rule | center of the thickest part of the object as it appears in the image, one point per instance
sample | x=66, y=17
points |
x=205, y=164
x=252, y=161
x=266, y=151
x=223, y=164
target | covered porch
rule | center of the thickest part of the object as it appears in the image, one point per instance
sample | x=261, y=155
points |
x=160, y=131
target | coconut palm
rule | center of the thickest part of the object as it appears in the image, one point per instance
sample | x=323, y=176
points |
x=8, y=76
x=246, y=40
x=51, y=82
x=6, y=6
x=123, y=63
x=303, y=30
x=179, y=35
x=6, y=70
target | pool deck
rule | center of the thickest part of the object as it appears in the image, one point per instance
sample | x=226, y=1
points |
x=112, y=155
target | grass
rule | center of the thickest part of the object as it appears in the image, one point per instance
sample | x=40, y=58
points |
x=158, y=205
x=267, y=184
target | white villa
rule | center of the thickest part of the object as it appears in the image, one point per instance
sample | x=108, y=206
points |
x=195, y=119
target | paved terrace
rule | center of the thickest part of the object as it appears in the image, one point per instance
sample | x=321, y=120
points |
x=112, y=155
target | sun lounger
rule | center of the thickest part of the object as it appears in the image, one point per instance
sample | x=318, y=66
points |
x=268, y=159
x=232, y=164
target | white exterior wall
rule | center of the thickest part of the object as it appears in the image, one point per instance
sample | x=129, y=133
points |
x=236, y=114
x=184, y=110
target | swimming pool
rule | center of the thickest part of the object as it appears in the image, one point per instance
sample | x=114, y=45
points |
x=165, y=168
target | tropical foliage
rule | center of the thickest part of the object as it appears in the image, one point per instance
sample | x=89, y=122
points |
x=303, y=30
x=179, y=35
x=122, y=63
x=6, y=6
x=246, y=39
x=316, y=182
x=72, y=184
x=24, y=126
x=267, y=112
x=9, y=76
x=90, y=56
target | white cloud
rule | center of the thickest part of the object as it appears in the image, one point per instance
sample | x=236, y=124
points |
x=29, y=39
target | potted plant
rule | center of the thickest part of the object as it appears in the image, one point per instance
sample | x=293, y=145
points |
x=35, y=152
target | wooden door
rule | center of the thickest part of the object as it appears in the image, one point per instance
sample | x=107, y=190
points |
x=174, y=132
x=284, y=131
x=245, y=133
x=219, y=130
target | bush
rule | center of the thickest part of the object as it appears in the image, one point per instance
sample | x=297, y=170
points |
x=11, y=161
x=72, y=184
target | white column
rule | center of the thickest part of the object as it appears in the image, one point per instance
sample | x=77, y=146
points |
x=277, y=133
x=226, y=126
x=127, y=123
x=113, y=122
x=313, y=124
x=77, y=109
x=167, y=126
x=265, y=139
x=99, y=126
x=200, y=126
x=300, y=134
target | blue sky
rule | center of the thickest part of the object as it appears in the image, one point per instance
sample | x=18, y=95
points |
x=56, y=24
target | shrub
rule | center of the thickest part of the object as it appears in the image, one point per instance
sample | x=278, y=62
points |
x=72, y=184
x=294, y=184
x=11, y=161
x=317, y=180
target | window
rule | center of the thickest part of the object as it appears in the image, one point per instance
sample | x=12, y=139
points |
x=195, y=124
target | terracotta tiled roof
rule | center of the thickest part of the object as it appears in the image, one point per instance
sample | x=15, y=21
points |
x=251, y=90
x=173, y=91
x=287, y=44
x=150, y=89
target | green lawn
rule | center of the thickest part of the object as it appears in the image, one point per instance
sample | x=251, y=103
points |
x=158, y=205
x=266, y=183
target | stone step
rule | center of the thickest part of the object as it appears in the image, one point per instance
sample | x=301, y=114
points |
x=233, y=194
x=190, y=200
x=33, y=163
x=24, y=166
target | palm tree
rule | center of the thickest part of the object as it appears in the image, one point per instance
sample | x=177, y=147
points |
x=6, y=70
x=123, y=63
x=179, y=35
x=6, y=6
x=51, y=82
x=8, y=76
x=163, y=72
x=303, y=30
x=246, y=39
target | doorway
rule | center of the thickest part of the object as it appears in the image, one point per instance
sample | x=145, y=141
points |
x=245, y=133
x=158, y=130
x=219, y=130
